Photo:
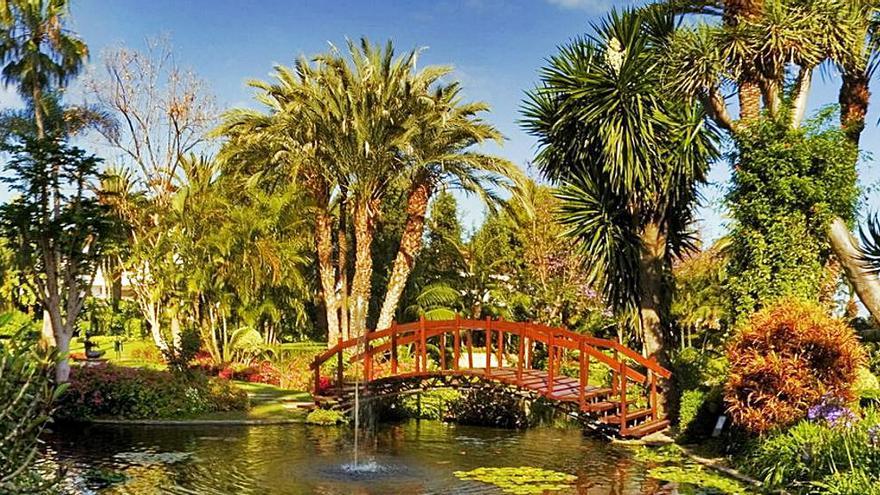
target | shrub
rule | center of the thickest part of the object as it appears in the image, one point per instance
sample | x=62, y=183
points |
x=818, y=452
x=136, y=393
x=784, y=361
x=325, y=417
x=698, y=379
x=28, y=397
x=180, y=355
x=147, y=353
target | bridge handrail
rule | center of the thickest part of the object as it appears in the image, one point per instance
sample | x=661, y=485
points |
x=434, y=328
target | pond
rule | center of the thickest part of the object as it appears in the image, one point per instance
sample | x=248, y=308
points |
x=415, y=457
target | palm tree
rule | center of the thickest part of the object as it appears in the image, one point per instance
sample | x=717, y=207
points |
x=344, y=126
x=441, y=154
x=629, y=159
x=37, y=50
x=773, y=39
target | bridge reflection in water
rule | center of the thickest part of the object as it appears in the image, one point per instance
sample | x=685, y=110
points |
x=467, y=353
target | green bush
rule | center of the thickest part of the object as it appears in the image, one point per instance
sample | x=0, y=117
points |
x=698, y=379
x=814, y=452
x=325, y=417
x=136, y=393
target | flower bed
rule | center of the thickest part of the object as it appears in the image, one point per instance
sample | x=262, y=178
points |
x=136, y=393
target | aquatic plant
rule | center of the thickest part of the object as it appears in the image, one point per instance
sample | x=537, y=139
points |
x=325, y=417
x=520, y=480
x=670, y=464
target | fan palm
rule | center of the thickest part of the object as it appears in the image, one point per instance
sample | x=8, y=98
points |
x=629, y=159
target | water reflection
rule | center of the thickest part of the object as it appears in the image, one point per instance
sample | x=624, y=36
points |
x=409, y=458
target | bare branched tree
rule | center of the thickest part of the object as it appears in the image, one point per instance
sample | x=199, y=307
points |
x=164, y=112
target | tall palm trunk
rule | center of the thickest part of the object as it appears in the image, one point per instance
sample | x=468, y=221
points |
x=410, y=244
x=327, y=273
x=342, y=270
x=750, y=94
x=652, y=298
x=854, y=96
x=363, y=269
x=846, y=248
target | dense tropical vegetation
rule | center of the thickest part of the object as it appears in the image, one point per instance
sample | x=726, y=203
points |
x=234, y=245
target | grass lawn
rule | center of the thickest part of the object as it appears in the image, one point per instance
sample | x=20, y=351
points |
x=133, y=351
x=267, y=402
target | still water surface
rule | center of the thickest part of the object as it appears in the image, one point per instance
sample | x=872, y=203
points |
x=410, y=458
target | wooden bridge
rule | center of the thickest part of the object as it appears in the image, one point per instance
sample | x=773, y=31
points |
x=602, y=382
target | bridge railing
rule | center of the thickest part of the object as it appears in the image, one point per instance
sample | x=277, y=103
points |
x=488, y=346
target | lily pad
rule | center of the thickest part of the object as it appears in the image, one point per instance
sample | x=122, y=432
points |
x=520, y=480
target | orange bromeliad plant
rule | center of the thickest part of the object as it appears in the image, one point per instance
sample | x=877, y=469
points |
x=785, y=360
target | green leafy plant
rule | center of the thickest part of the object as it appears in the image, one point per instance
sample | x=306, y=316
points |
x=819, y=452
x=325, y=417
x=29, y=398
x=787, y=186
x=520, y=480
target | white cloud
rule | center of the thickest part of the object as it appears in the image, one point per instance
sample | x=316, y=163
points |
x=593, y=6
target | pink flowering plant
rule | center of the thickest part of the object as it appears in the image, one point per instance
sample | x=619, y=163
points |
x=119, y=392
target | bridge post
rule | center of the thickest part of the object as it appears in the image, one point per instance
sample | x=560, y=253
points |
x=340, y=366
x=443, y=351
x=394, y=347
x=488, y=345
x=456, y=342
x=614, y=379
x=500, y=350
x=519, y=354
x=551, y=353
x=582, y=352
x=653, y=396
x=470, y=348
x=622, y=404
x=423, y=351
x=317, y=378
x=368, y=359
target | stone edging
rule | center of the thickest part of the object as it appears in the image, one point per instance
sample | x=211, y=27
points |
x=197, y=422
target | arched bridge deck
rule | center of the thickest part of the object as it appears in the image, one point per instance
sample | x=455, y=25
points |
x=600, y=380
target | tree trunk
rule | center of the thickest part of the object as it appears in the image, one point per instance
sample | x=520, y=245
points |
x=327, y=274
x=62, y=367
x=801, y=95
x=342, y=270
x=846, y=248
x=854, y=96
x=652, y=297
x=410, y=245
x=47, y=335
x=363, y=269
x=736, y=11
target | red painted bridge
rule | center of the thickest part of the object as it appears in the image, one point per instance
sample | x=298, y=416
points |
x=600, y=381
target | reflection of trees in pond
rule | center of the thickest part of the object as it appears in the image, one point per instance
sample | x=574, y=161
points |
x=143, y=480
x=326, y=440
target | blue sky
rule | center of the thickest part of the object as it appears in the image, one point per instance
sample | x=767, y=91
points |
x=496, y=47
